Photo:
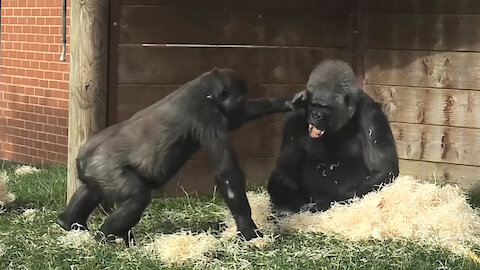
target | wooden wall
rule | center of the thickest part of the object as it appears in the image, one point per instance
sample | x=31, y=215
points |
x=422, y=62
x=157, y=45
x=419, y=58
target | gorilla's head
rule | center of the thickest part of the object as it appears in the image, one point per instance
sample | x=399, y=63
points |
x=227, y=90
x=330, y=98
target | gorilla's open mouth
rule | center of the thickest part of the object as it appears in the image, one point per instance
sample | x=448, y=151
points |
x=315, y=132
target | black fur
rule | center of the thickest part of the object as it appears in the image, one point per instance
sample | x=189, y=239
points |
x=124, y=162
x=337, y=145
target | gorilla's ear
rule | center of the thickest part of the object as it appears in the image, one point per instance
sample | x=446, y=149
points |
x=215, y=81
x=300, y=99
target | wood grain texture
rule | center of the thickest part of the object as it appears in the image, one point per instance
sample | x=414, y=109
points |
x=466, y=177
x=446, y=107
x=194, y=25
x=437, y=143
x=88, y=78
x=292, y=5
x=196, y=176
x=449, y=32
x=459, y=70
x=160, y=65
x=424, y=6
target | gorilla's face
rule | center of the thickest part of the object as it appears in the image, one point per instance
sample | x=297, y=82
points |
x=328, y=107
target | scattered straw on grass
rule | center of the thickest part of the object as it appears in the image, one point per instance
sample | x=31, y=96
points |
x=2, y=250
x=262, y=242
x=29, y=214
x=183, y=246
x=406, y=210
x=76, y=239
x=5, y=196
x=25, y=169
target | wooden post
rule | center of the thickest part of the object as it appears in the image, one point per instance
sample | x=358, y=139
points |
x=88, y=77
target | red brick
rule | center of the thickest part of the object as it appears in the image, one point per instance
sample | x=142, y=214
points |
x=26, y=12
x=23, y=133
x=33, y=152
x=53, y=84
x=48, y=146
x=62, y=103
x=42, y=137
x=29, y=143
x=49, y=39
x=48, y=111
x=40, y=21
x=43, y=83
x=34, y=100
x=51, y=156
x=42, y=154
x=52, y=138
x=48, y=128
x=52, y=120
x=33, y=83
x=37, y=127
x=62, y=140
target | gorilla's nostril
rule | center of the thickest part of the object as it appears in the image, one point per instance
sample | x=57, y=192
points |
x=317, y=115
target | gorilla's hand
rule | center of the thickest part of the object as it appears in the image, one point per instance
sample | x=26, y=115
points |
x=247, y=230
x=299, y=100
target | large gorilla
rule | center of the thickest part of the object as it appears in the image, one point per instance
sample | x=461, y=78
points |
x=337, y=145
x=124, y=162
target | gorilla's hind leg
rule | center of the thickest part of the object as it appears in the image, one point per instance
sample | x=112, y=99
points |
x=82, y=203
x=135, y=197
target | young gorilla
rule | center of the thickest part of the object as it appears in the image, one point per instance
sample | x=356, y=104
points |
x=124, y=162
x=337, y=145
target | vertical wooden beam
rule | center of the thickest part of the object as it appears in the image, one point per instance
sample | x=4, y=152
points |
x=113, y=52
x=88, y=77
x=358, y=40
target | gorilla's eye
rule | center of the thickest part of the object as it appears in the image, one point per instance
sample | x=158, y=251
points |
x=317, y=115
x=224, y=94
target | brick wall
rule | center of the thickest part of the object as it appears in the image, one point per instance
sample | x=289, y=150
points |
x=33, y=82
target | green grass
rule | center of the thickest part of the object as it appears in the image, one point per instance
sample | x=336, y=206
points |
x=33, y=244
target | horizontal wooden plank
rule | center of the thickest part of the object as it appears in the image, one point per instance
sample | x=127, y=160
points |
x=423, y=6
x=449, y=107
x=132, y=98
x=466, y=177
x=160, y=65
x=437, y=143
x=306, y=5
x=450, y=32
x=459, y=70
x=260, y=138
x=193, y=25
x=196, y=176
